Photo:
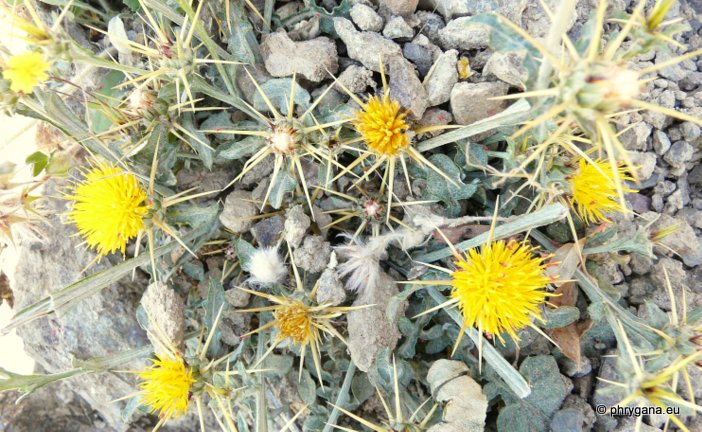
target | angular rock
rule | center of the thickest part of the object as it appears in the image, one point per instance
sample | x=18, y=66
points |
x=634, y=138
x=366, y=18
x=466, y=404
x=296, y=225
x=313, y=59
x=512, y=10
x=537, y=22
x=399, y=7
x=430, y=24
x=442, y=79
x=397, y=28
x=331, y=288
x=405, y=86
x=682, y=240
x=370, y=332
x=507, y=67
x=461, y=34
x=469, y=101
x=356, y=78
x=101, y=325
x=166, y=311
x=313, y=255
x=239, y=210
x=420, y=56
x=645, y=162
x=365, y=47
x=268, y=231
x=679, y=153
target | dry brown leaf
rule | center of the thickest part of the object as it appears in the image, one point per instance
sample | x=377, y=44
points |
x=565, y=262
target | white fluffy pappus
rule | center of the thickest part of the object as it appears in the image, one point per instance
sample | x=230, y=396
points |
x=266, y=266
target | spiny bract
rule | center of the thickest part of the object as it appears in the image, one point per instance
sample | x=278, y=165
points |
x=594, y=192
x=382, y=126
x=26, y=71
x=166, y=386
x=109, y=207
x=499, y=288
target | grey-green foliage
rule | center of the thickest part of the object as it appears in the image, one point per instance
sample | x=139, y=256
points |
x=533, y=413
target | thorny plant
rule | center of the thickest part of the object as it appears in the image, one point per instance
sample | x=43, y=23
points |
x=170, y=103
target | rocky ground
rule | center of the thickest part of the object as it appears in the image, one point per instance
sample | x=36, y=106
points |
x=414, y=38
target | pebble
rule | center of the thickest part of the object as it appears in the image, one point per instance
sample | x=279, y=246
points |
x=296, y=225
x=399, y=7
x=645, y=162
x=420, y=56
x=635, y=136
x=469, y=101
x=313, y=255
x=661, y=142
x=461, y=34
x=405, y=86
x=679, y=153
x=365, y=47
x=238, y=212
x=366, y=18
x=442, y=79
x=507, y=67
x=397, y=28
x=313, y=59
x=356, y=78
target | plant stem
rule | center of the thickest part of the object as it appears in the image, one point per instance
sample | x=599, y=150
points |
x=341, y=398
x=562, y=18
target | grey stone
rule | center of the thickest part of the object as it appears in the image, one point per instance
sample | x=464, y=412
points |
x=239, y=210
x=237, y=298
x=166, y=311
x=661, y=142
x=313, y=254
x=690, y=131
x=673, y=72
x=435, y=117
x=366, y=18
x=604, y=393
x=365, y=47
x=268, y=231
x=568, y=420
x=430, y=24
x=512, y=10
x=405, y=86
x=679, y=153
x=101, y=325
x=463, y=398
x=682, y=240
x=574, y=370
x=537, y=22
x=399, y=7
x=397, y=28
x=469, y=101
x=645, y=162
x=507, y=67
x=296, y=225
x=668, y=269
x=313, y=59
x=461, y=34
x=639, y=203
x=370, y=332
x=420, y=56
x=442, y=79
x=634, y=138
x=331, y=288
x=356, y=78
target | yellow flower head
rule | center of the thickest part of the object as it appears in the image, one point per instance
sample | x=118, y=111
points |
x=109, y=208
x=499, y=288
x=166, y=386
x=382, y=126
x=294, y=321
x=595, y=192
x=25, y=71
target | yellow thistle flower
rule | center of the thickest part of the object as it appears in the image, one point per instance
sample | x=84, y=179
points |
x=302, y=322
x=166, y=386
x=109, y=208
x=294, y=321
x=499, y=288
x=594, y=192
x=382, y=126
x=25, y=71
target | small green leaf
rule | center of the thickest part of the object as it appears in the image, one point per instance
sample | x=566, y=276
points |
x=306, y=388
x=278, y=92
x=38, y=160
x=216, y=301
x=560, y=317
